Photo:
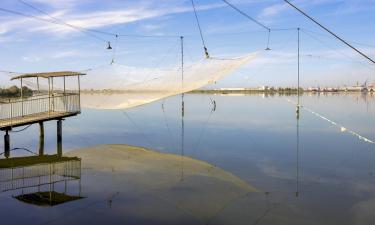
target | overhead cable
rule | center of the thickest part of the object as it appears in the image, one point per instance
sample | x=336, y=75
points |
x=329, y=31
x=200, y=30
x=246, y=15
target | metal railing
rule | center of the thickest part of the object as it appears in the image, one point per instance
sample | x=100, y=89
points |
x=13, y=111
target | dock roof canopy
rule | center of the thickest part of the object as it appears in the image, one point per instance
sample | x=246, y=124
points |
x=48, y=75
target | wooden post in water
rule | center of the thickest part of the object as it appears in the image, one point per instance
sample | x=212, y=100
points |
x=79, y=92
x=6, y=145
x=49, y=95
x=53, y=98
x=41, y=138
x=59, y=137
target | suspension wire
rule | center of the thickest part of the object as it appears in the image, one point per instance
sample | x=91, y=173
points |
x=25, y=149
x=172, y=137
x=87, y=31
x=136, y=126
x=91, y=30
x=59, y=20
x=49, y=21
x=200, y=30
x=258, y=23
x=336, y=124
x=246, y=15
x=337, y=51
x=326, y=35
x=17, y=131
x=329, y=31
x=205, y=124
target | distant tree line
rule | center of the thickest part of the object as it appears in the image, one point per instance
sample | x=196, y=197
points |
x=15, y=91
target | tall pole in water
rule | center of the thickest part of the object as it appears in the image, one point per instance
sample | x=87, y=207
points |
x=297, y=158
x=298, y=69
x=297, y=112
x=182, y=108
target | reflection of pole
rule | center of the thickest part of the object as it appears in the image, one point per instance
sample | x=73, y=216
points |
x=59, y=137
x=6, y=145
x=41, y=138
x=297, y=155
x=298, y=113
x=182, y=108
x=79, y=93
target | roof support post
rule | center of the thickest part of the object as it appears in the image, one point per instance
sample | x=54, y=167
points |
x=21, y=97
x=37, y=82
x=49, y=95
x=79, y=92
x=64, y=85
x=53, y=99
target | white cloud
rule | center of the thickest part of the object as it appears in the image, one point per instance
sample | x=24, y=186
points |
x=58, y=3
x=31, y=58
x=96, y=19
x=64, y=54
x=274, y=10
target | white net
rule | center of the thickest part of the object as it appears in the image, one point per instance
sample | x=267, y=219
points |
x=122, y=87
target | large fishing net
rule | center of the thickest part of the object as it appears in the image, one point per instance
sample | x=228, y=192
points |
x=115, y=86
x=121, y=87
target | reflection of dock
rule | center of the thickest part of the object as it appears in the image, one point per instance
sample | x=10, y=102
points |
x=41, y=108
x=35, y=177
x=36, y=171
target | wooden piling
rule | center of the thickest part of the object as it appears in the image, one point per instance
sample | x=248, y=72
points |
x=59, y=137
x=6, y=145
x=41, y=138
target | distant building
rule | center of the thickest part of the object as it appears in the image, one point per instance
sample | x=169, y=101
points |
x=232, y=89
x=371, y=87
x=315, y=89
x=357, y=88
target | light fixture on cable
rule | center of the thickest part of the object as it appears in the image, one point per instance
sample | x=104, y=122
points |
x=268, y=41
x=109, y=45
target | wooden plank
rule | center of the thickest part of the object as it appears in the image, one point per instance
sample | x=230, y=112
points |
x=35, y=118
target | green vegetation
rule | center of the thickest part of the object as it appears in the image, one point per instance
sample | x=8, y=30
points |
x=15, y=91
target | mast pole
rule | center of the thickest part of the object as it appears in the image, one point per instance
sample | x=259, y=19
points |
x=298, y=66
x=182, y=108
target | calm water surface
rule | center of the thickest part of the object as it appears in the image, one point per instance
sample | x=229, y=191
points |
x=306, y=171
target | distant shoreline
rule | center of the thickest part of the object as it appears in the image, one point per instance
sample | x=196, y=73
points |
x=293, y=91
x=285, y=91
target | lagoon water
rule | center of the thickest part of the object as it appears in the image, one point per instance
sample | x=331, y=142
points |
x=263, y=165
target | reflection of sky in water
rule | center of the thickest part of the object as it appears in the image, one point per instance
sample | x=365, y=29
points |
x=253, y=137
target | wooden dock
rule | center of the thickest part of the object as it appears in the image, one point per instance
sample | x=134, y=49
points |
x=41, y=107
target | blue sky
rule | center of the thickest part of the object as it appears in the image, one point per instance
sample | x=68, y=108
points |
x=29, y=45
